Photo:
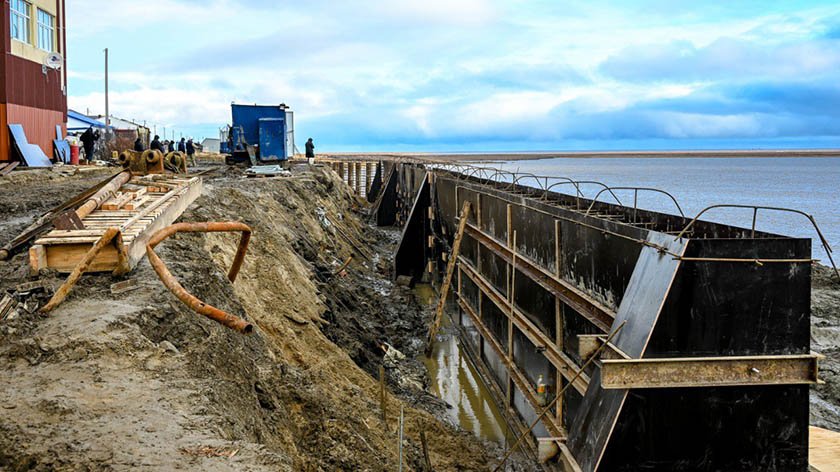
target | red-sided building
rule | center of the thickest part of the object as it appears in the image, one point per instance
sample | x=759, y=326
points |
x=31, y=94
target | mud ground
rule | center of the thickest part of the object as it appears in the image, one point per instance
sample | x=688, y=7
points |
x=137, y=380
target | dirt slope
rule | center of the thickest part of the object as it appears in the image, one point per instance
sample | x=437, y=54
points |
x=825, y=339
x=137, y=380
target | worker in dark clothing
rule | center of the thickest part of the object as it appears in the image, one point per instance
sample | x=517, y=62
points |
x=182, y=146
x=310, y=148
x=191, y=151
x=138, y=145
x=171, y=146
x=88, y=139
x=156, y=144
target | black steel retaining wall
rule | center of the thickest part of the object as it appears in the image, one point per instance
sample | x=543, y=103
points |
x=576, y=275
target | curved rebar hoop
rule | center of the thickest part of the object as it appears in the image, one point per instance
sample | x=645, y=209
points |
x=565, y=180
x=755, y=209
x=500, y=172
x=635, y=197
x=527, y=176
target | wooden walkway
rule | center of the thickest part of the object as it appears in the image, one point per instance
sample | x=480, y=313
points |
x=824, y=450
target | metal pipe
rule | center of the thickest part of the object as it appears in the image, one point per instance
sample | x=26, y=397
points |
x=80, y=269
x=179, y=291
x=98, y=198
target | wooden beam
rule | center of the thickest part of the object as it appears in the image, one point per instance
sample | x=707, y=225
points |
x=450, y=269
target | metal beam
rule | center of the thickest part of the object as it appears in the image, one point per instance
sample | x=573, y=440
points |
x=710, y=371
x=564, y=365
x=518, y=377
x=599, y=315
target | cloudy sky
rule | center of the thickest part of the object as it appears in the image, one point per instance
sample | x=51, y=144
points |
x=472, y=75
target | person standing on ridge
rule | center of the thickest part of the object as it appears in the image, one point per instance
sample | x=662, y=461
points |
x=156, y=144
x=171, y=146
x=182, y=146
x=310, y=149
x=191, y=151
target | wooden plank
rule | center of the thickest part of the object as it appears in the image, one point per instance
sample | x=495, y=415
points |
x=136, y=203
x=65, y=257
x=174, y=209
x=67, y=240
x=37, y=258
x=450, y=269
x=823, y=449
x=136, y=192
x=72, y=233
x=9, y=167
x=117, y=201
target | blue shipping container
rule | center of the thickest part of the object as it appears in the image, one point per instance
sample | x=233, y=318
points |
x=266, y=126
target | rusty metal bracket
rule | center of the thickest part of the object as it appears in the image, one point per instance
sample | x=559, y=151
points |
x=179, y=291
x=710, y=371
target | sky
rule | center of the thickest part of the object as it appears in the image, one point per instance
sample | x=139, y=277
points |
x=472, y=75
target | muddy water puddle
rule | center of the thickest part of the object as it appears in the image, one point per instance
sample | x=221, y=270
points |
x=454, y=380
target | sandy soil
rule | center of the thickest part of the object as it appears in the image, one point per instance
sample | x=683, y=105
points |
x=137, y=380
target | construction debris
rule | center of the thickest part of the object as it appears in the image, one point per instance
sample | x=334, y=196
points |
x=231, y=321
x=124, y=286
x=267, y=171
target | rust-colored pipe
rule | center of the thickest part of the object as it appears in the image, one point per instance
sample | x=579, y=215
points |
x=179, y=291
x=80, y=269
x=98, y=198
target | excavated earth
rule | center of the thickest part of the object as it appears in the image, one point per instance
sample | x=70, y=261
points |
x=138, y=380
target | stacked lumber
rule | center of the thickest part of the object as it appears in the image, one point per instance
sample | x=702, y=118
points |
x=138, y=208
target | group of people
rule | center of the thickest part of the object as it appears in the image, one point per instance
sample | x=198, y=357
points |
x=187, y=146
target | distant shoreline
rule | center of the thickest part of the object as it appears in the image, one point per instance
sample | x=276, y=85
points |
x=521, y=156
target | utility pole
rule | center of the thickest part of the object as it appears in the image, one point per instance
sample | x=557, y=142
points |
x=107, y=115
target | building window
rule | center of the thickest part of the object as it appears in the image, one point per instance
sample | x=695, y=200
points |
x=46, y=30
x=20, y=20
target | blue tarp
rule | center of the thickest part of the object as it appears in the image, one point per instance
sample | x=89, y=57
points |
x=78, y=122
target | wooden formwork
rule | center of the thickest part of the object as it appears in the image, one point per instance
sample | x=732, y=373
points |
x=141, y=207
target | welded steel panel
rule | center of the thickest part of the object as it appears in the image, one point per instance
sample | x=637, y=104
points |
x=640, y=308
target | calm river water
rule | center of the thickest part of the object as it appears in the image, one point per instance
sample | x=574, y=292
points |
x=810, y=184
